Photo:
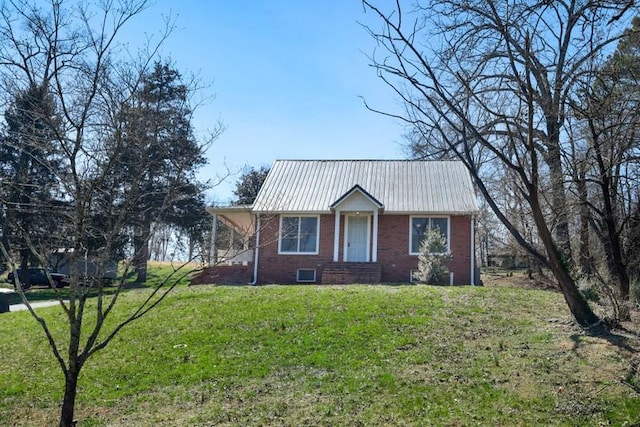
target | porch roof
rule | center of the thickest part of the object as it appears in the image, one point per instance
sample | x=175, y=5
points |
x=238, y=217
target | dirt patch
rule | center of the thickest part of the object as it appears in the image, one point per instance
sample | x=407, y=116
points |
x=517, y=278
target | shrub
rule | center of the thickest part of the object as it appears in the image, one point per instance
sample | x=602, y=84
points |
x=635, y=291
x=589, y=290
x=432, y=268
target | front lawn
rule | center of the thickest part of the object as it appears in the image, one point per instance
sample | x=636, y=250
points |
x=332, y=355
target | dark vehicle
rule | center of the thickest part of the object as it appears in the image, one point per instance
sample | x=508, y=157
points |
x=38, y=276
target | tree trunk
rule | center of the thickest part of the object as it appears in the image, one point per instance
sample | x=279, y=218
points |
x=617, y=267
x=24, y=279
x=69, y=402
x=192, y=247
x=585, y=249
x=611, y=238
x=141, y=248
x=578, y=306
x=558, y=200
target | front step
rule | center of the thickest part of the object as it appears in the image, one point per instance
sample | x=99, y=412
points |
x=339, y=273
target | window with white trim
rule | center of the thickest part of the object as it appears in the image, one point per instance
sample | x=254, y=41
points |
x=306, y=275
x=299, y=234
x=420, y=225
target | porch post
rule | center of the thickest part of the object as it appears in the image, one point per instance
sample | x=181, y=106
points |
x=214, y=229
x=336, y=236
x=256, y=252
x=245, y=248
x=374, y=254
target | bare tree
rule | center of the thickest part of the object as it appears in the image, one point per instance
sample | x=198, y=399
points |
x=608, y=113
x=489, y=83
x=71, y=51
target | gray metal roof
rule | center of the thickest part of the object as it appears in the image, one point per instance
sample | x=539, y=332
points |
x=402, y=186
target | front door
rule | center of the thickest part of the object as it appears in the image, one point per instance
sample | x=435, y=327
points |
x=357, y=238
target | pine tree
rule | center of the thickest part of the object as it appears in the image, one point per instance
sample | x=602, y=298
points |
x=249, y=185
x=30, y=164
x=157, y=127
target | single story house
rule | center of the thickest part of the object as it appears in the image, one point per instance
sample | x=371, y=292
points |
x=351, y=221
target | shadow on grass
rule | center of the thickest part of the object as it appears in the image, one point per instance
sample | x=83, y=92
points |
x=621, y=337
x=624, y=339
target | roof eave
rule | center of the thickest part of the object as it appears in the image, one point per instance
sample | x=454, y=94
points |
x=229, y=209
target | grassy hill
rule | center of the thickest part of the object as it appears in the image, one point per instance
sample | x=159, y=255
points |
x=333, y=355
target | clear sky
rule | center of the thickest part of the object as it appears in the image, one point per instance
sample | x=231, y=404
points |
x=288, y=78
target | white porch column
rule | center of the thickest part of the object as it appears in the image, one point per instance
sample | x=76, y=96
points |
x=374, y=250
x=256, y=252
x=336, y=237
x=214, y=228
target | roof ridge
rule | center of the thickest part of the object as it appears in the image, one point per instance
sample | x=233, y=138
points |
x=366, y=160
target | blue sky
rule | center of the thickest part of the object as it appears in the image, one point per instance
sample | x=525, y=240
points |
x=288, y=77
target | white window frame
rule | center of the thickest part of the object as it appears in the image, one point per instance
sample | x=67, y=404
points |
x=315, y=252
x=306, y=281
x=447, y=217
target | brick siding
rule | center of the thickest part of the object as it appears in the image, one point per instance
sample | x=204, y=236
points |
x=224, y=275
x=393, y=250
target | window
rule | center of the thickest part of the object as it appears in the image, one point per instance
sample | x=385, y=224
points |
x=419, y=225
x=306, y=275
x=299, y=234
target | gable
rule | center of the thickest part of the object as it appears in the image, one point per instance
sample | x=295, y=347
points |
x=402, y=186
x=356, y=199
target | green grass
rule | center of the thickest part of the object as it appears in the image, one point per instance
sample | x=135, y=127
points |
x=330, y=355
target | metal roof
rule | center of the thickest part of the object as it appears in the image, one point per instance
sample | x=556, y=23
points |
x=402, y=186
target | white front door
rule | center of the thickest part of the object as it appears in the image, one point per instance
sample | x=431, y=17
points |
x=357, y=241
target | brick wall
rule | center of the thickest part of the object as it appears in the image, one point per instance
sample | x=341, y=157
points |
x=393, y=250
x=224, y=275
x=461, y=249
x=274, y=268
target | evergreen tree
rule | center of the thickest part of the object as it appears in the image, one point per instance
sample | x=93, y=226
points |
x=157, y=127
x=432, y=258
x=29, y=168
x=249, y=185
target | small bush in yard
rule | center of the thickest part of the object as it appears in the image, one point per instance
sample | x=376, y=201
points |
x=589, y=290
x=432, y=259
x=635, y=290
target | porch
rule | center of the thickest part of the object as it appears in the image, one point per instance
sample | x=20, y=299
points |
x=233, y=235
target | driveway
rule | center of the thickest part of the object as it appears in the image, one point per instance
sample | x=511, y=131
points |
x=4, y=299
x=19, y=307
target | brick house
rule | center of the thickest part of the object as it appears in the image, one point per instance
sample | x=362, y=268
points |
x=350, y=221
